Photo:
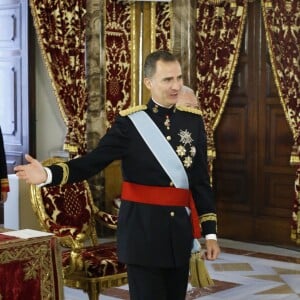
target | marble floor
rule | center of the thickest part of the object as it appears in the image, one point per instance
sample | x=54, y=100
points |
x=242, y=272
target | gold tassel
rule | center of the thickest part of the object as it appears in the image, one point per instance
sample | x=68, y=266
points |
x=199, y=276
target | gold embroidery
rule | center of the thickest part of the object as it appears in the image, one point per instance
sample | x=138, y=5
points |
x=65, y=168
x=36, y=259
x=190, y=110
x=132, y=110
x=208, y=217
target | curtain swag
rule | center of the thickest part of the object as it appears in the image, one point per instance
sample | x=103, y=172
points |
x=281, y=20
x=219, y=33
x=60, y=27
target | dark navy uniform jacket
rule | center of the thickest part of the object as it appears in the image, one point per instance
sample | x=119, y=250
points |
x=152, y=235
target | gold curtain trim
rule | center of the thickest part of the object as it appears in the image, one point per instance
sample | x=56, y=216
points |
x=233, y=65
x=153, y=28
x=70, y=148
x=65, y=176
x=295, y=228
x=295, y=158
x=294, y=236
x=276, y=77
x=134, y=69
x=172, y=29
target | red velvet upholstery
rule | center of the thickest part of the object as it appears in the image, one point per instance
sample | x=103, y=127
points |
x=68, y=211
x=98, y=261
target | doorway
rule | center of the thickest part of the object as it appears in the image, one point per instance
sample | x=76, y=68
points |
x=253, y=180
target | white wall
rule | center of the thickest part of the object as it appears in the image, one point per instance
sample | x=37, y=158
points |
x=50, y=127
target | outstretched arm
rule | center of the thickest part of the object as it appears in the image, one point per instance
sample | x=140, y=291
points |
x=33, y=172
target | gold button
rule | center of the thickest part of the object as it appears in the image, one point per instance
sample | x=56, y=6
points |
x=172, y=214
x=169, y=138
x=171, y=183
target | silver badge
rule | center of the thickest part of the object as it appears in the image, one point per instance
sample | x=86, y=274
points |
x=185, y=137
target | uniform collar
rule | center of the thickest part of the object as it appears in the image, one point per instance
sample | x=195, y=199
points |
x=156, y=108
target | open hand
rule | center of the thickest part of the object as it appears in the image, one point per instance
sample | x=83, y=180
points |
x=33, y=172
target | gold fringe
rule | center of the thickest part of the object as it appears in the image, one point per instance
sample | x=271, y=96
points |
x=294, y=159
x=242, y=12
x=132, y=110
x=199, y=276
x=189, y=109
x=276, y=70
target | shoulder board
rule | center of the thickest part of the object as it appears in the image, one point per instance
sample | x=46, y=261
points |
x=132, y=110
x=190, y=110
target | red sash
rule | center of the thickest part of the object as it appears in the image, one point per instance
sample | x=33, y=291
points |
x=164, y=196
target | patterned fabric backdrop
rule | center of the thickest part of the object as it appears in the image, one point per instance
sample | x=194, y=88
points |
x=121, y=50
x=163, y=26
x=282, y=23
x=60, y=27
x=219, y=32
x=118, y=56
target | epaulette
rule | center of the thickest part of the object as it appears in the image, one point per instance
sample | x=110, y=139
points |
x=190, y=110
x=132, y=110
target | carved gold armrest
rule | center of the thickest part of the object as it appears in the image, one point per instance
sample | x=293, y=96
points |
x=108, y=220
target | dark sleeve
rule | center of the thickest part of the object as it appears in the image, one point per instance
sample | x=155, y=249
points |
x=201, y=187
x=112, y=146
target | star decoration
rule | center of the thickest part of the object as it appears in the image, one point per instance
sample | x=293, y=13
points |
x=185, y=137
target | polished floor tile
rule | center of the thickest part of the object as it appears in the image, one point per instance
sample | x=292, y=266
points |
x=242, y=272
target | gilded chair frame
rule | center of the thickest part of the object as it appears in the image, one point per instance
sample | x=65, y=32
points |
x=73, y=274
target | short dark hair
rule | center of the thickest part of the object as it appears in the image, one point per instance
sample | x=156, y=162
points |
x=152, y=58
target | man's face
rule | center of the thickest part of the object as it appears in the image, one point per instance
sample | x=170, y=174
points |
x=166, y=83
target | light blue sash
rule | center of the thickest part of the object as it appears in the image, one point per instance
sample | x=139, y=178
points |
x=161, y=149
x=164, y=153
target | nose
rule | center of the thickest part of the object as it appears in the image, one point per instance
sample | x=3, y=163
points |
x=177, y=84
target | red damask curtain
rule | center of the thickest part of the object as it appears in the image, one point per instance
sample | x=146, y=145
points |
x=163, y=28
x=60, y=27
x=117, y=39
x=282, y=24
x=121, y=40
x=219, y=30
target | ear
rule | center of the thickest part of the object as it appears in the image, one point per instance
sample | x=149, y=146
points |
x=147, y=83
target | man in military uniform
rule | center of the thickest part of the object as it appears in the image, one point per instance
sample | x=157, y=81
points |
x=156, y=228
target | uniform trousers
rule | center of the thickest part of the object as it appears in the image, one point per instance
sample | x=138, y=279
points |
x=148, y=283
